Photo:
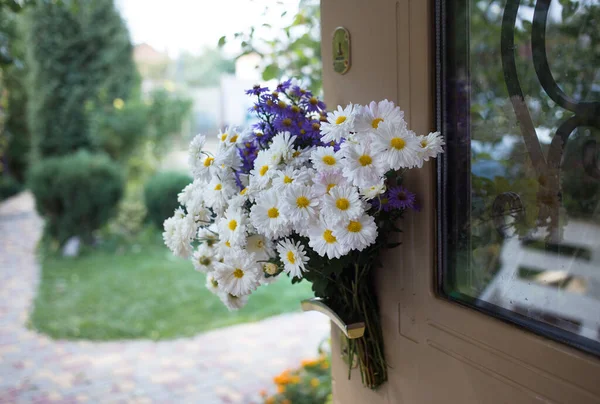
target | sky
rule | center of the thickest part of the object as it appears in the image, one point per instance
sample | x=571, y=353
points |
x=175, y=26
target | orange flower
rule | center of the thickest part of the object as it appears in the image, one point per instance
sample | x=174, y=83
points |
x=281, y=389
x=314, y=382
x=309, y=362
x=270, y=400
x=263, y=393
x=295, y=379
x=286, y=401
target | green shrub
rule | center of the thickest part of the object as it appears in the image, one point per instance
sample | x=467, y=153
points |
x=9, y=187
x=160, y=194
x=76, y=194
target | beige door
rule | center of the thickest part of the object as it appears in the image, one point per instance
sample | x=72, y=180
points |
x=438, y=351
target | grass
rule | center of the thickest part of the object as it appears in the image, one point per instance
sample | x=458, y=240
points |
x=142, y=291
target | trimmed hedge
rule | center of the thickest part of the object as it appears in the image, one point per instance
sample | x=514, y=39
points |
x=9, y=187
x=76, y=194
x=160, y=195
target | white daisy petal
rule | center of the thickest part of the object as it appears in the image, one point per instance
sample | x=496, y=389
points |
x=342, y=203
x=399, y=147
x=339, y=124
x=357, y=234
x=238, y=274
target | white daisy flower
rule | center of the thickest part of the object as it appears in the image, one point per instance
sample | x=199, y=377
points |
x=339, y=124
x=261, y=247
x=293, y=257
x=289, y=176
x=233, y=302
x=205, y=167
x=238, y=274
x=264, y=169
x=300, y=204
x=430, y=147
x=325, y=181
x=282, y=146
x=204, y=258
x=323, y=242
x=374, y=190
x=325, y=159
x=179, y=230
x=212, y=284
x=357, y=234
x=208, y=235
x=228, y=159
x=342, y=203
x=399, y=147
x=361, y=166
x=229, y=137
x=218, y=192
x=233, y=226
x=370, y=116
x=224, y=247
x=195, y=151
x=300, y=156
x=267, y=216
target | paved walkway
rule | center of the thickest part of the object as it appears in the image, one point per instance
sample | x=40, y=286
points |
x=229, y=365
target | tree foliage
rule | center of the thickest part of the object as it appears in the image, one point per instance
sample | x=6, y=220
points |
x=78, y=53
x=294, y=53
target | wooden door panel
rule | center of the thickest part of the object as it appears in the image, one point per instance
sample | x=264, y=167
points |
x=438, y=351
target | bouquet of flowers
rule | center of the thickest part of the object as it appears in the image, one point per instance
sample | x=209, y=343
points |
x=305, y=193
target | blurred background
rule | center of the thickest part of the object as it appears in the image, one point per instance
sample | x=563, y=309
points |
x=98, y=103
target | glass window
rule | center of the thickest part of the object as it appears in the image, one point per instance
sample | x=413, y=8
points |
x=519, y=213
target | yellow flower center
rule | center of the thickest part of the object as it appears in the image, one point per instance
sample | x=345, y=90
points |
x=273, y=213
x=375, y=123
x=287, y=122
x=316, y=126
x=423, y=143
x=243, y=191
x=223, y=137
x=291, y=258
x=313, y=101
x=238, y=273
x=354, y=227
x=228, y=244
x=233, y=139
x=329, y=237
x=214, y=282
x=295, y=109
x=287, y=180
x=340, y=120
x=263, y=170
x=296, y=153
x=329, y=160
x=218, y=187
x=329, y=187
x=204, y=261
x=232, y=225
x=282, y=104
x=365, y=160
x=302, y=201
x=208, y=161
x=342, y=204
x=260, y=244
x=397, y=143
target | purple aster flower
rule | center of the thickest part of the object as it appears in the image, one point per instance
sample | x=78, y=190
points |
x=313, y=104
x=382, y=203
x=257, y=90
x=248, y=154
x=401, y=198
x=282, y=87
x=284, y=123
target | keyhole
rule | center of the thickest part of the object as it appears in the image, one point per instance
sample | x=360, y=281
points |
x=340, y=52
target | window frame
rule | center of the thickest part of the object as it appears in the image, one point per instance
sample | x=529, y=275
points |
x=452, y=120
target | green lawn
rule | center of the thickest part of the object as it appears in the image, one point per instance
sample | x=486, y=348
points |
x=143, y=292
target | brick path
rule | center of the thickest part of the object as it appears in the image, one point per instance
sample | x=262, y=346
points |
x=229, y=365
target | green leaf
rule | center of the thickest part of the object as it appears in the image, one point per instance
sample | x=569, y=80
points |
x=222, y=41
x=271, y=72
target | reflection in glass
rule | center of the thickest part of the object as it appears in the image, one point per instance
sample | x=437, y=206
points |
x=526, y=238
